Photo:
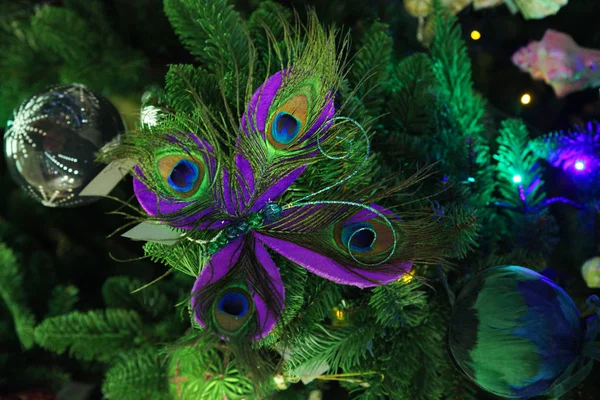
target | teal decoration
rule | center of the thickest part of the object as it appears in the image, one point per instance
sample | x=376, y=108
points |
x=518, y=335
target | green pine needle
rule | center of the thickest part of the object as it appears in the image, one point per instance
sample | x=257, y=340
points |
x=12, y=292
x=138, y=375
x=370, y=67
x=320, y=297
x=62, y=301
x=208, y=373
x=216, y=34
x=341, y=347
x=150, y=302
x=399, y=305
x=95, y=335
x=460, y=112
x=516, y=157
x=413, y=94
x=266, y=23
x=66, y=44
x=184, y=256
x=184, y=82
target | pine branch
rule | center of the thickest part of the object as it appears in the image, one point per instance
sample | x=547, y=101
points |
x=151, y=301
x=413, y=94
x=268, y=16
x=64, y=45
x=90, y=51
x=186, y=85
x=63, y=31
x=339, y=347
x=398, y=305
x=413, y=361
x=516, y=159
x=12, y=291
x=63, y=300
x=24, y=69
x=566, y=149
x=206, y=373
x=138, y=375
x=215, y=33
x=463, y=222
x=183, y=256
x=460, y=111
x=522, y=196
x=95, y=335
x=294, y=278
x=320, y=297
x=370, y=69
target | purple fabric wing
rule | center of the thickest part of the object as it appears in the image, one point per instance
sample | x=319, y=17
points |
x=155, y=206
x=237, y=195
x=236, y=198
x=256, y=113
x=327, y=268
x=323, y=121
x=245, y=177
x=216, y=268
x=221, y=264
x=255, y=116
x=267, y=319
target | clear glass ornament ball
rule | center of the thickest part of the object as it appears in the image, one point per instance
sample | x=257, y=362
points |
x=51, y=143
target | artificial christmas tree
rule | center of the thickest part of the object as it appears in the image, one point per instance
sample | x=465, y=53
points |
x=303, y=193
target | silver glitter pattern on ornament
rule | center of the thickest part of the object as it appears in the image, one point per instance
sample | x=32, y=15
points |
x=50, y=144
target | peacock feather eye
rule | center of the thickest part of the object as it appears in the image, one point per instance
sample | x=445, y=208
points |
x=358, y=237
x=288, y=122
x=232, y=310
x=285, y=128
x=365, y=236
x=182, y=174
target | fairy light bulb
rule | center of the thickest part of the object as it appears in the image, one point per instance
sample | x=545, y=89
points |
x=517, y=179
x=340, y=315
x=406, y=278
x=475, y=35
x=526, y=99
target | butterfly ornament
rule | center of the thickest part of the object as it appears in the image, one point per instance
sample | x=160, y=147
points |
x=235, y=189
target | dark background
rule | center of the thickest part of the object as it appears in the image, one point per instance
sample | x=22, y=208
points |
x=70, y=245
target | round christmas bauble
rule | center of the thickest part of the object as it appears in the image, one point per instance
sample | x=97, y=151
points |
x=51, y=142
x=590, y=271
x=514, y=332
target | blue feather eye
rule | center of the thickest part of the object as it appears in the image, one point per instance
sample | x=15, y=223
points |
x=359, y=237
x=286, y=128
x=232, y=310
x=234, y=304
x=183, y=176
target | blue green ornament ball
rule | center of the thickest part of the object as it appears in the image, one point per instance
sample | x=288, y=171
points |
x=518, y=335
